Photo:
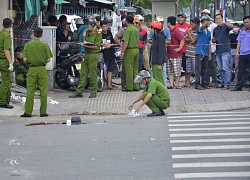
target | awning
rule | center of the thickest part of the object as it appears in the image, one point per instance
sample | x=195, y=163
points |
x=32, y=7
x=102, y=3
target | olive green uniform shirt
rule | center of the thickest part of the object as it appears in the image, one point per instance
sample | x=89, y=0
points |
x=37, y=52
x=157, y=88
x=131, y=35
x=20, y=67
x=5, y=43
x=94, y=37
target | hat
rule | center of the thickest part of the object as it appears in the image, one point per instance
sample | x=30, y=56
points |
x=206, y=18
x=182, y=15
x=139, y=17
x=159, y=18
x=79, y=21
x=205, y=11
x=65, y=23
x=196, y=21
x=136, y=20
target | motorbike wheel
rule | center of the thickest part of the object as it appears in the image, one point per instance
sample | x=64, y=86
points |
x=100, y=82
x=61, y=84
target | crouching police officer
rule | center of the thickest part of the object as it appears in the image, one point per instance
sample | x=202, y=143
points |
x=155, y=95
x=20, y=67
x=6, y=65
x=37, y=54
x=89, y=64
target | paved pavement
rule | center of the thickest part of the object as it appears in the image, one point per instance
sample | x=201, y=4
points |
x=117, y=102
x=210, y=146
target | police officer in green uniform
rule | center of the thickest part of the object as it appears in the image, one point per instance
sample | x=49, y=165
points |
x=130, y=52
x=6, y=65
x=37, y=54
x=89, y=64
x=20, y=67
x=155, y=95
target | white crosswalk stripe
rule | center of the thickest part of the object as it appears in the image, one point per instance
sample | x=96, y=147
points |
x=215, y=145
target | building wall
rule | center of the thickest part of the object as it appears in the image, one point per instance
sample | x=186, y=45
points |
x=3, y=10
x=163, y=8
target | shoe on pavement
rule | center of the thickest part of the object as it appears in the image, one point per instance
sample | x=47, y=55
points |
x=206, y=87
x=199, y=87
x=235, y=89
x=75, y=95
x=155, y=114
x=92, y=95
x=126, y=90
x=26, y=115
x=44, y=115
x=213, y=85
x=7, y=106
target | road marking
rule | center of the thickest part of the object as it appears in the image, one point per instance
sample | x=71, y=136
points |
x=211, y=147
x=210, y=124
x=210, y=140
x=212, y=115
x=215, y=155
x=204, y=120
x=210, y=129
x=211, y=164
x=208, y=113
x=212, y=174
x=210, y=134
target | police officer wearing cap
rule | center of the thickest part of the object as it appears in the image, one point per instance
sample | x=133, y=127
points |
x=6, y=65
x=155, y=95
x=89, y=64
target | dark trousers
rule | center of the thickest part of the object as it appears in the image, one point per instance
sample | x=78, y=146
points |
x=212, y=71
x=201, y=70
x=140, y=66
x=183, y=61
x=244, y=62
x=123, y=75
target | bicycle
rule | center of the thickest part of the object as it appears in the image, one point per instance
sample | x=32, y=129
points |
x=116, y=75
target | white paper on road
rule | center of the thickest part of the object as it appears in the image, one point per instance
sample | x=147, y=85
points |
x=132, y=113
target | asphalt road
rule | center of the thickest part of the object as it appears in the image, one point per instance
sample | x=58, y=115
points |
x=181, y=146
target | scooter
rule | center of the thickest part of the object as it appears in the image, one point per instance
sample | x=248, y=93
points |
x=69, y=68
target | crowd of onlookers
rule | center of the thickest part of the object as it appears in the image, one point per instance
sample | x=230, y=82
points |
x=169, y=49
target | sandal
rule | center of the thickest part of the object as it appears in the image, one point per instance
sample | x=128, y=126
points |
x=185, y=86
x=226, y=87
x=220, y=86
x=170, y=87
x=178, y=87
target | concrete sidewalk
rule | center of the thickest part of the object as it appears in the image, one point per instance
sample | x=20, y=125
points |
x=117, y=102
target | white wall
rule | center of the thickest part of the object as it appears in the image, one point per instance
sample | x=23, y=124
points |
x=163, y=8
x=3, y=10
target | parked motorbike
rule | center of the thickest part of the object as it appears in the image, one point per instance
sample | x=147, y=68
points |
x=69, y=68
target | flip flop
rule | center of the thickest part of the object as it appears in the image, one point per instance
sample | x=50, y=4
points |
x=178, y=87
x=170, y=87
x=185, y=86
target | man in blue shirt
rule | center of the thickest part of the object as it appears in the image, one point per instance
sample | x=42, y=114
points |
x=81, y=31
x=243, y=52
x=203, y=54
x=223, y=50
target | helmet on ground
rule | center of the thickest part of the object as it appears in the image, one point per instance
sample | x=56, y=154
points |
x=142, y=75
x=91, y=20
x=156, y=25
x=159, y=18
x=109, y=19
x=79, y=21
